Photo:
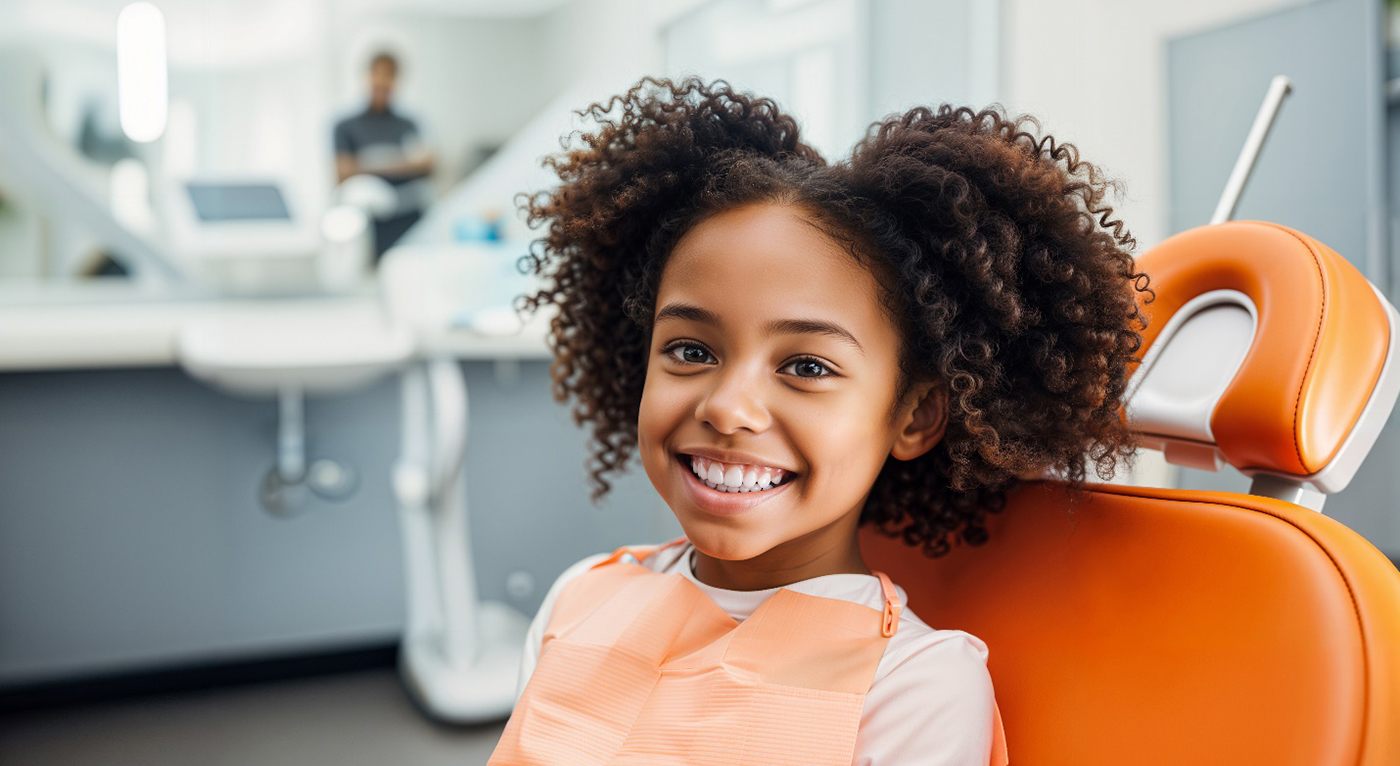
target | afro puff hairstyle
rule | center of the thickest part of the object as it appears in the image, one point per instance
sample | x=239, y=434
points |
x=1004, y=270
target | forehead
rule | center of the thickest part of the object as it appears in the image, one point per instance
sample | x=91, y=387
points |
x=768, y=261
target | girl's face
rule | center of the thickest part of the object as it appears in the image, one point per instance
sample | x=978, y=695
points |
x=768, y=408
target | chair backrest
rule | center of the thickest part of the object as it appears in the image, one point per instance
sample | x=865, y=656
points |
x=1162, y=626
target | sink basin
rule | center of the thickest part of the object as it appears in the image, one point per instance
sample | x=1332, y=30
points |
x=262, y=348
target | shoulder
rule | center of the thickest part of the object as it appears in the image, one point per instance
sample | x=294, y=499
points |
x=577, y=569
x=346, y=133
x=571, y=573
x=347, y=121
x=535, y=636
x=942, y=668
x=919, y=650
x=404, y=121
x=931, y=702
x=561, y=585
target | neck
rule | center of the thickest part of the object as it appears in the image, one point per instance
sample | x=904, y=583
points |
x=823, y=552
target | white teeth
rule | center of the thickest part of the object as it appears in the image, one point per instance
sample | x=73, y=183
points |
x=735, y=478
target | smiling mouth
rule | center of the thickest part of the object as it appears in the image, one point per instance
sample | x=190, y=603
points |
x=735, y=477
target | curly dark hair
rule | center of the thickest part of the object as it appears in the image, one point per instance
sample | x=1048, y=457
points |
x=1009, y=279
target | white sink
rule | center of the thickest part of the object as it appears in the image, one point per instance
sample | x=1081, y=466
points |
x=266, y=347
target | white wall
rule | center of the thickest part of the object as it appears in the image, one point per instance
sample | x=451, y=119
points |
x=604, y=40
x=926, y=52
x=1093, y=71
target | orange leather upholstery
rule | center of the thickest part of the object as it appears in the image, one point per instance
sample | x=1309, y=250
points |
x=1147, y=626
x=1319, y=347
x=1158, y=626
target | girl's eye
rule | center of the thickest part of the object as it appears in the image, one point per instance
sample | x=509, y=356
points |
x=690, y=353
x=807, y=368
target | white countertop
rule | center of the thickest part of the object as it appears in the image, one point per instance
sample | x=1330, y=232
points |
x=97, y=327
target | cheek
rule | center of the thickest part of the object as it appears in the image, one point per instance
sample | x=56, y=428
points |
x=846, y=443
x=662, y=408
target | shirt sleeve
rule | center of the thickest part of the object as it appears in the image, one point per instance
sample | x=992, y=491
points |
x=344, y=144
x=535, y=635
x=936, y=707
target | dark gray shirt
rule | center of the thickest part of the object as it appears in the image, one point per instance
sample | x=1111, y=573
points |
x=382, y=138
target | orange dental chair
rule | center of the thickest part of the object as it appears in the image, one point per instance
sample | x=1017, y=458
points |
x=1165, y=626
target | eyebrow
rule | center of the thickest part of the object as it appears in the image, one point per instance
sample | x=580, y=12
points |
x=691, y=313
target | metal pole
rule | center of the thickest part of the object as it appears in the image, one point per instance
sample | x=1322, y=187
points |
x=1279, y=87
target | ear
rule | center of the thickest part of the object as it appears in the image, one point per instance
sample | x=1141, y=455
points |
x=921, y=425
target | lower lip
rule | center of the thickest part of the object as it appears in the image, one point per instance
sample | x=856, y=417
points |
x=725, y=503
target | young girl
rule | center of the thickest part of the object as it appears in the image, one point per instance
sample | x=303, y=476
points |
x=794, y=349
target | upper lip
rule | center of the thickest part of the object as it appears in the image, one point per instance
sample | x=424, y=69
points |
x=733, y=458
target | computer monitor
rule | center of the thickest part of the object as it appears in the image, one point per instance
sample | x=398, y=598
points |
x=237, y=201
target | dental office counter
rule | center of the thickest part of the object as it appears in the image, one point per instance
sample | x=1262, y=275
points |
x=132, y=538
x=95, y=328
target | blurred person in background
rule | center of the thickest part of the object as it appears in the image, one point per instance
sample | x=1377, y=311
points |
x=381, y=142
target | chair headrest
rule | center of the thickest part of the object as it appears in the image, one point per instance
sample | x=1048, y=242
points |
x=1266, y=350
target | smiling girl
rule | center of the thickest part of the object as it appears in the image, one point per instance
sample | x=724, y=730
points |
x=794, y=349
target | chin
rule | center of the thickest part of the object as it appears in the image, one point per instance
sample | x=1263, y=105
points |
x=725, y=544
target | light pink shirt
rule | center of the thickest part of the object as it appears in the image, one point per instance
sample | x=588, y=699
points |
x=930, y=703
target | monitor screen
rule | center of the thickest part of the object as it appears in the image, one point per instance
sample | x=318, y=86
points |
x=238, y=202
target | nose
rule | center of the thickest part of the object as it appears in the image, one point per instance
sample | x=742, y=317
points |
x=734, y=403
